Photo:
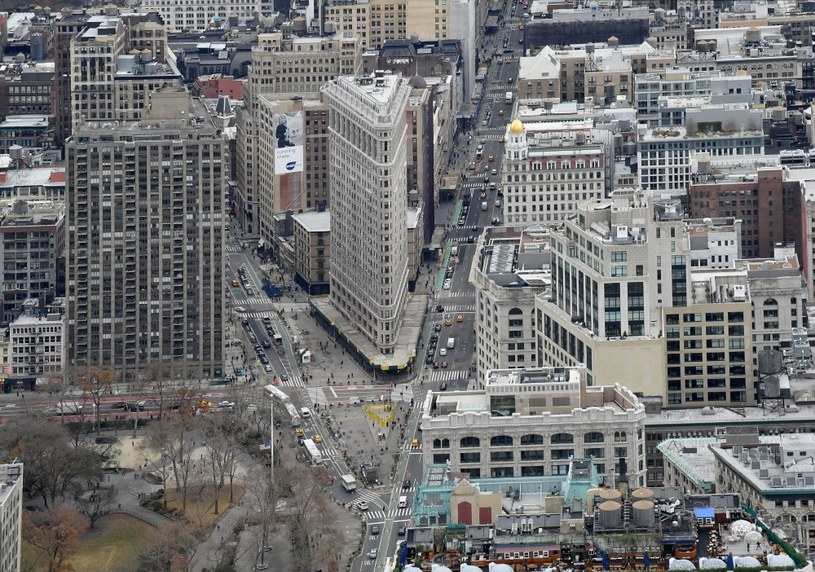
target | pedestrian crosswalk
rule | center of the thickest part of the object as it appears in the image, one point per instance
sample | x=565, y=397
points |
x=368, y=496
x=455, y=294
x=467, y=226
x=293, y=381
x=381, y=515
x=491, y=136
x=255, y=301
x=233, y=248
x=460, y=308
x=448, y=374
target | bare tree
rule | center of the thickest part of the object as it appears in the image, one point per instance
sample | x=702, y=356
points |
x=314, y=533
x=55, y=532
x=96, y=504
x=263, y=495
x=96, y=382
x=53, y=466
x=220, y=455
x=170, y=549
x=171, y=438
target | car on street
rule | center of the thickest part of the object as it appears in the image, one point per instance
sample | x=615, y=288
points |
x=495, y=171
x=250, y=292
x=443, y=386
x=267, y=367
x=226, y=404
x=402, y=530
x=236, y=283
x=120, y=405
x=372, y=554
x=414, y=443
x=448, y=321
x=362, y=505
x=406, y=484
x=459, y=318
x=299, y=432
x=284, y=377
x=437, y=327
x=267, y=344
x=317, y=439
x=470, y=239
x=491, y=158
x=429, y=359
x=443, y=352
x=500, y=113
x=374, y=529
x=447, y=284
x=444, y=365
x=439, y=308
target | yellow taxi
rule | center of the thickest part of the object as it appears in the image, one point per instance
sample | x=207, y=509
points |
x=203, y=404
x=486, y=167
x=317, y=439
x=459, y=318
x=236, y=282
x=299, y=432
x=483, y=194
x=448, y=320
x=414, y=443
x=491, y=158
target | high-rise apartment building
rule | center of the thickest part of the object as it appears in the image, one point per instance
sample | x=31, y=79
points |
x=11, y=516
x=369, y=271
x=116, y=61
x=145, y=241
x=66, y=28
x=291, y=69
x=32, y=243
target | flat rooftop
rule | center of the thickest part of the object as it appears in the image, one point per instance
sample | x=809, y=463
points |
x=314, y=221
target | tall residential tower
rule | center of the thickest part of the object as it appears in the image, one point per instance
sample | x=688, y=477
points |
x=145, y=240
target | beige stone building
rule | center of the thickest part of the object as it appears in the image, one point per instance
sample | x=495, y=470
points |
x=116, y=62
x=629, y=302
x=599, y=71
x=286, y=76
x=376, y=21
x=512, y=267
x=532, y=423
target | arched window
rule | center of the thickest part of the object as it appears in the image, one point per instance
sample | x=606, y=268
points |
x=501, y=441
x=562, y=438
x=470, y=442
x=532, y=439
x=620, y=437
x=593, y=437
x=516, y=312
x=770, y=302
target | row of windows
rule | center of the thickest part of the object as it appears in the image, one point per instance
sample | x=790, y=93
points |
x=532, y=439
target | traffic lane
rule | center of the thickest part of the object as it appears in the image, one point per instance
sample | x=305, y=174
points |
x=258, y=328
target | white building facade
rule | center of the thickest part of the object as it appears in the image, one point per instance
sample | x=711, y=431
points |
x=369, y=259
x=532, y=422
x=546, y=178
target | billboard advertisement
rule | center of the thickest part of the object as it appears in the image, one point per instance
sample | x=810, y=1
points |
x=288, y=155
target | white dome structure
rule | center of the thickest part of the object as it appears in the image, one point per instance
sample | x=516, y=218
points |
x=779, y=561
x=411, y=569
x=741, y=527
x=439, y=568
x=500, y=567
x=747, y=562
x=680, y=564
x=470, y=568
x=711, y=564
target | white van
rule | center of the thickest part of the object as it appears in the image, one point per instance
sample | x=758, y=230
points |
x=484, y=205
x=402, y=502
x=454, y=251
x=305, y=412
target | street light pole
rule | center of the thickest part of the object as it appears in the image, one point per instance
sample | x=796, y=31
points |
x=271, y=443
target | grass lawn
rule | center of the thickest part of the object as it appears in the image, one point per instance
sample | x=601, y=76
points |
x=201, y=504
x=113, y=545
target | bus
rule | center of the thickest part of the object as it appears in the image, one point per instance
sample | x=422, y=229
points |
x=277, y=339
x=277, y=394
x=313, y=452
